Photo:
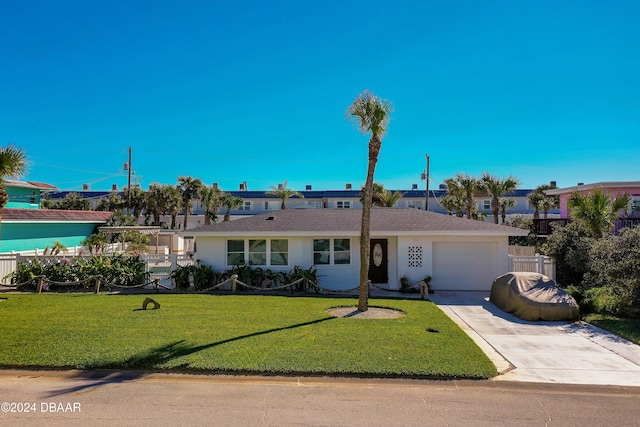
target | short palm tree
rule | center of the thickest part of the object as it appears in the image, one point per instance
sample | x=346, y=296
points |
x=112, y=203
x=387, y=199
x=504, y=205
x=230, y=202
x=597, y=210
x=497, y=188
x=174, y=203
x=378, y=189
x=283, y=193
x=96, y=243
x=155, y=203
x=372, y=115
x=454, y=204
x=540, y=201
x=189, y=188
x=211, y=199
x=463, y=187
x=136, y=200
x=71, y=202
x=13, y=164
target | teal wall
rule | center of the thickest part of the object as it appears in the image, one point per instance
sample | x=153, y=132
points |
x=30, y=236
x=21, y=198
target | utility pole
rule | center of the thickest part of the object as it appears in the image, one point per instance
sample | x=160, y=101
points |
x=129, y=183
x=425, y=176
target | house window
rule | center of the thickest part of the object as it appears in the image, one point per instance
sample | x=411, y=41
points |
x=321, y=251
x=235, y=252
x=271, y=206
x=279, y=252
x=314, y=204
x=341, y=251
x=32, y=198
x=343, y=204
x=246, y=206
x=416, y=204
x=331, y=251
x=258, y=252
x=486, y=204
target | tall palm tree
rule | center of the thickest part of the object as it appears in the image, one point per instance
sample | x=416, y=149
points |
x=504, y=205
x=497, y=188
x=13, y=164
x=371, y=114
x=211, y=199
x=283, y=193
x=189, y=188
x=597, y=210
x=230, y=202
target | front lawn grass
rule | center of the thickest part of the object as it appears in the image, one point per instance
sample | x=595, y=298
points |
x=234, y=334
x=626, y=328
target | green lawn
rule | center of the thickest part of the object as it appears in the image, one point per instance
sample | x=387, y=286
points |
x=626, y=328
x=243, y=334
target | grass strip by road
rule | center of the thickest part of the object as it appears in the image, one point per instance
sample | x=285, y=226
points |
x=234, y=334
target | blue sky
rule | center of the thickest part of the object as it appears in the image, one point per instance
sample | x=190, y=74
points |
x=256, y=91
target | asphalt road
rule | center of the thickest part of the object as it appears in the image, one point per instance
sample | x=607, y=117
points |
x=38, y=398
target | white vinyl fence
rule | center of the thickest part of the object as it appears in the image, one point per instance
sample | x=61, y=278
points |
x=159, y=266
x=8, y=264
x=534, y=264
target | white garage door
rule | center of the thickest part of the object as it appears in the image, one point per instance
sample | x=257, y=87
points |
x=464, y=266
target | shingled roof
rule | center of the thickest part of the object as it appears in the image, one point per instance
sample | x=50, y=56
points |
x=53, y=215
x=384, y=221
x=30, y=184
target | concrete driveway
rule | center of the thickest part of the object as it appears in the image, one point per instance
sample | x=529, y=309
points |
x=545, y=352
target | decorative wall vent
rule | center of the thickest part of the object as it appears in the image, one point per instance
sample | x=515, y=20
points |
x=415, y=256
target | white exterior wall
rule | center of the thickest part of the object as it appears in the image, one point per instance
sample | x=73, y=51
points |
x=212, y=252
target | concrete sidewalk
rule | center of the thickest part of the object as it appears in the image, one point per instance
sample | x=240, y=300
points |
x=546, y=352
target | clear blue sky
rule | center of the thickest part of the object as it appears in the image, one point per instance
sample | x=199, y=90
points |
x=256, y=91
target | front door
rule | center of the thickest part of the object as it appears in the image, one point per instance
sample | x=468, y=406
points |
x=378, y=261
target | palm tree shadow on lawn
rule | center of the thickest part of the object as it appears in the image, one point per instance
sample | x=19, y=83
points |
x=154, y=357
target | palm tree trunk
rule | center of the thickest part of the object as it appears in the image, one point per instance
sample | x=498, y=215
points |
x=495, y=208
x=365, y=231
x=186, y=217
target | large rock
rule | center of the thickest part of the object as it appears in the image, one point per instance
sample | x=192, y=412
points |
x=533, y=296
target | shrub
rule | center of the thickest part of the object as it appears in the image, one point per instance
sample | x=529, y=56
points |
x=115, y=270
x=569, y=246
x=608, y=300
x=614, y=269
x=181, y=276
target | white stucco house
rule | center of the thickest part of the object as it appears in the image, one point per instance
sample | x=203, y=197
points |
x=458, y=253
